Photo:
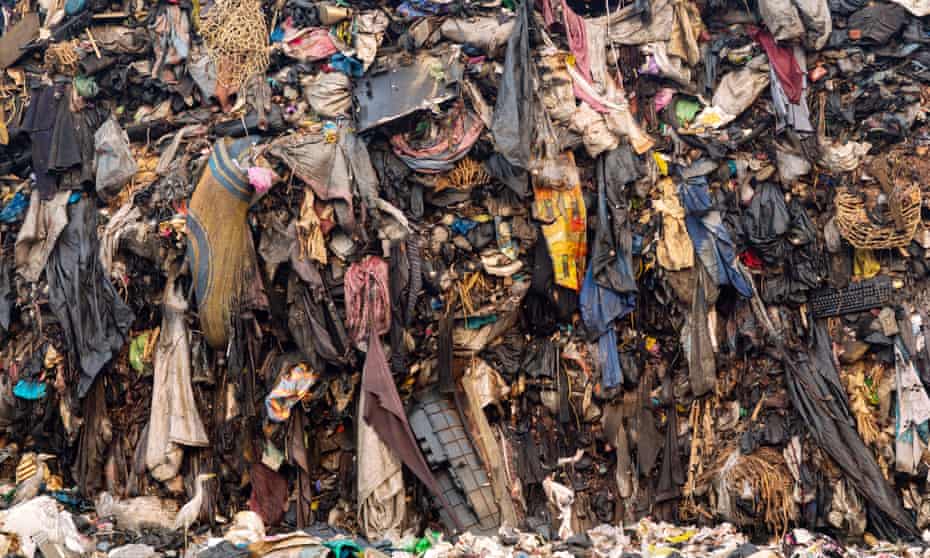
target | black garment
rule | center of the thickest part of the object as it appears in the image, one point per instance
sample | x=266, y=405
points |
x=65, y=147
x=512, y=176
x=7, y=297
x=315, y=325
x=62, y=141
x=39, y=123
x=529, y=459
x=878, y=23
x=611, y=255
x=400, y=276
x=671, y=472
x=766, y=223
x=444, y=355
x=85, y=124
x=513, y=126
x=819, y=397
x=94, y=318
x=546, y=304
x=539, y=360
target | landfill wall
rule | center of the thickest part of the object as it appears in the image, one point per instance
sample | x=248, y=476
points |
x=465, y=265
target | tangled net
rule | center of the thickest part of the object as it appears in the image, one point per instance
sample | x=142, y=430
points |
x=236, y=36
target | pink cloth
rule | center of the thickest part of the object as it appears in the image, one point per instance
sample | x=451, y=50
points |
x=545, y=6
x=368, y=306
x=784, y=64
x=663, y=98
x=260, y=178
x=577, y=39
x=577, y=34
x=450, y=146
x=307, y=45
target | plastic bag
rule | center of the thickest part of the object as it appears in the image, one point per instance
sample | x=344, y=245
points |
x=792, y=165
x=330, y=95
x=40, y=516
x=557, y=173
x=782, y=19
x=135, y=514
x=113, y=161
x=766, y=222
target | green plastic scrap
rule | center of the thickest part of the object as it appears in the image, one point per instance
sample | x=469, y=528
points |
x=437, y=72
x=86, y=86
x=343, y=548
x=478, y=322
x=136, y=350
x=424, y=543
x=686, y=110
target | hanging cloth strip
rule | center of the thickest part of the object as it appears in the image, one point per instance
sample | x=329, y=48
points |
x=368, y=303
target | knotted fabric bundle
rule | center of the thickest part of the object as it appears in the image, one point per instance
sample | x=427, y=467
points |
x=368, y=305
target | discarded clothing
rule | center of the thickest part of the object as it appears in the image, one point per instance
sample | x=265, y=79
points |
x=293, y=386
x=94, y=318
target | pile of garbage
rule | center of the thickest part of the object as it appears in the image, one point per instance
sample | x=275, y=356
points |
x=464, y=265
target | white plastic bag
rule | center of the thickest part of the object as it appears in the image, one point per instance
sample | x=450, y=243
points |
x=113, y=161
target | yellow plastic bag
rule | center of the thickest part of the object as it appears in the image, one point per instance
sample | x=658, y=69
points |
x=865, y=265
x=565, y=218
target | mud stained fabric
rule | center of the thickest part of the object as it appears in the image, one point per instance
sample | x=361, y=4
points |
x=120, y=225
x=514, y=114
x=334, y=170
x=298, y=455
x=911, y=414
x=450, y=141
x=702, y=365
x=219, y=244
x=385, y=413
x=381, y=496
x=94, y=318
x=674, y=249
x=45, y=219
x=96, y=436
x=269, y=494
x=174, y=419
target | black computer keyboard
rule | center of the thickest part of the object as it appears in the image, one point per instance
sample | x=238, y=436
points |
x=858, y=297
